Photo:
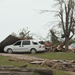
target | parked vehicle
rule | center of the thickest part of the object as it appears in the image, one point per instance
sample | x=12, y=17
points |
x=32, y=46
x=72, y=47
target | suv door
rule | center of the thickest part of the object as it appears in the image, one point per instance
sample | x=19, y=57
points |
x=26, y=46
x=17, y=47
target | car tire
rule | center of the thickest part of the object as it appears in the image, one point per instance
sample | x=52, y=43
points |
x=33, y=51
x=9, y=51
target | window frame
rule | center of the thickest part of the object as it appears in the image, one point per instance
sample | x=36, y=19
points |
x=17, y=42
x=23, y=43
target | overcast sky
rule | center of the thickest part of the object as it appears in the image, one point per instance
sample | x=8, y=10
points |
x=18, y=14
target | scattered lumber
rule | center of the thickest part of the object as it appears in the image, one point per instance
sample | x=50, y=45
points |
x=37, y=62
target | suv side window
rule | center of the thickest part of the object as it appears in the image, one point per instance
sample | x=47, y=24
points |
x=35, y=43
x=26, y=42
x=17, y=43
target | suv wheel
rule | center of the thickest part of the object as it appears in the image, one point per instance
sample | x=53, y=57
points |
x=33, y=51
x=9, y=51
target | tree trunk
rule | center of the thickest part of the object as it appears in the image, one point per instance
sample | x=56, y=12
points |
x=66, y=43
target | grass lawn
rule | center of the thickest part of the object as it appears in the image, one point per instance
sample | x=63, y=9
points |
x=57, y=72
x=56, y=55
x=4, y=61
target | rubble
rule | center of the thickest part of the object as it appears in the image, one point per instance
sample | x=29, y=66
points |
x=54, y=48
x=65, y=65
x=61, y=65
x=8, y=41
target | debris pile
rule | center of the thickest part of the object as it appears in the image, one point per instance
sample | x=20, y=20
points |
x=65, y=65
x=8, y=41
x=50, y=47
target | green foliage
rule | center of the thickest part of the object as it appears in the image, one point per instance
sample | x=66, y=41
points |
x=23, y=34
x=54, y=38
x=71, y=41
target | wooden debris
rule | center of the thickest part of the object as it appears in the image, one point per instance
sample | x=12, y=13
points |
x=72, y=61
x=37, y=62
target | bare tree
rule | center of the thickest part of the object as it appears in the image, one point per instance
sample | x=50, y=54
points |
x=67, y=20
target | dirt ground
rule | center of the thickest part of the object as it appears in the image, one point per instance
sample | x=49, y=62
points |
x=21, y=56
x=13, y=73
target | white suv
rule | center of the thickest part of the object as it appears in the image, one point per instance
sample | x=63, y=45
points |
x=32, y=46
